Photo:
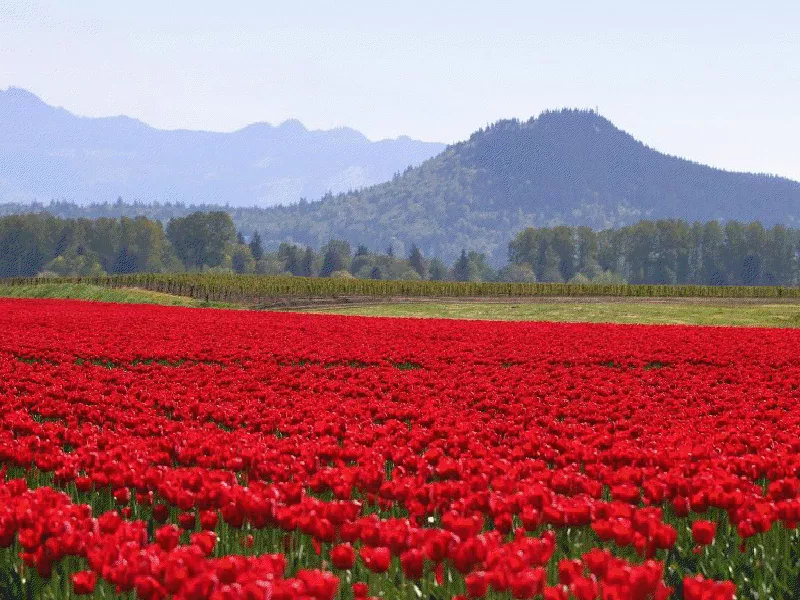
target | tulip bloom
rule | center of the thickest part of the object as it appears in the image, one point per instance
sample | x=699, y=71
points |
x=343, y=556
x=703, y=532
x=413, y=563
x=376, y=560
x=84, y=582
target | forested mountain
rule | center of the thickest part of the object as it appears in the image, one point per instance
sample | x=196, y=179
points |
x=566, y=167
x=48, y=153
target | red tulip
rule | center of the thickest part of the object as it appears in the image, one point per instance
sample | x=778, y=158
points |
x=343, y=556
x=376, y=560
x=703, y=532
x=205, y=540
x=167, y=537
x=187, y=520
x=84, y=582
x=477, y=584
x=413, y=563
x=122, y=496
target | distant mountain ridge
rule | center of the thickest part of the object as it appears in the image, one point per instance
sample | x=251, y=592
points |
x=49, y=153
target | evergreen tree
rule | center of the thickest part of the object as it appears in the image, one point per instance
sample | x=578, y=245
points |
x=416, y=261
x=242, y=259
x=306, y=267
x=291, y=256
x=256, y=249
x=461, y=269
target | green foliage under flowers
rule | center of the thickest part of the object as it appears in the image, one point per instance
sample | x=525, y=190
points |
x=766, y=568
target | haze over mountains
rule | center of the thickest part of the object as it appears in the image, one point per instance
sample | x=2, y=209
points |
x=565, y=167
x=49, y=153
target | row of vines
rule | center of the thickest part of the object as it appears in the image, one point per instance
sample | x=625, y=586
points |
x=225, y=287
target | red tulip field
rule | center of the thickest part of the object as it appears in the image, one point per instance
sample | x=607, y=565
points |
x=154, y=452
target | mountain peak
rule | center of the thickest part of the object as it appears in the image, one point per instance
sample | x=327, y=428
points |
x=575, y=117
x=564, y=117
x=350, y=134
x=292, y=126
x=20, y=93
x=260, y=127
x=21, y=97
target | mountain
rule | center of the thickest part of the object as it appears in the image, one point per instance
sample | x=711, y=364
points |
x=49, y=153
x=565, y=167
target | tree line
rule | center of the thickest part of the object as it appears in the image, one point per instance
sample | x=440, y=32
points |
x=662, y=252
x=41, y=244
x=659, y=252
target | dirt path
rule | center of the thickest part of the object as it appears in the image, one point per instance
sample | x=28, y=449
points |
x=312, y=303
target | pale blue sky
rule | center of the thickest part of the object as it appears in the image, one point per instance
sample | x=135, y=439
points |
x=717, y=82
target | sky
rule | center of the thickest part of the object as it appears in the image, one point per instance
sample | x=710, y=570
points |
x=716, y=82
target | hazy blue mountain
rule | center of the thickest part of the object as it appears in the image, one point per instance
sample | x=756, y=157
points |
x=564, y=167
x=49, y=153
